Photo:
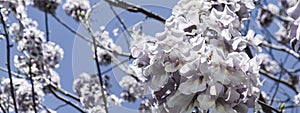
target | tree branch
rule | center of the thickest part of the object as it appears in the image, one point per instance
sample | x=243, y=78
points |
x=2, y=108
x=8, y=63
x=66, y=101
x=269, y=107
x=83, y=37
x=278, y=80
x=88, y=27
x=282, y=48
x=134, y=8
x=46, y=25
x=64, y=92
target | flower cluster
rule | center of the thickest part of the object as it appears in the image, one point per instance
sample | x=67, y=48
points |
x=18, y=7
x=39, y=58
x=77, y=8
x=195, y=61
x=269, y=65
x=23, y=95
x=295, y=30
x=108, y=49
x=48, y=6
x=132, y=89
x=89, y=90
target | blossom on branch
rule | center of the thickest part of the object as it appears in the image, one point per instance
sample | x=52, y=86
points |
x=194, y=62
x=77, y=8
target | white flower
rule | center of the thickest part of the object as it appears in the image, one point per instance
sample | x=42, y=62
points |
x=77, y=8
x=23, y=94
x=133, y=89
x=191, y=63
x=297, y=99
x=88, y=88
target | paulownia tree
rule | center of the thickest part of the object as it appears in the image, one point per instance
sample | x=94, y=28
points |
x=216, y=56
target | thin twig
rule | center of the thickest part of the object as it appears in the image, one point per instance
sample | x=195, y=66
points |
x=8, y=63
x=276, y=89
x=64, y=92
x=116, y=65
x=88, y=27
x=85, y=38
x=47, y=27
x=278, y=80
x=66, y=101
x=268, y=106
x=13, y=73
x=134, y=8
x=122, y=23
x=282, y=48
x=69, y=28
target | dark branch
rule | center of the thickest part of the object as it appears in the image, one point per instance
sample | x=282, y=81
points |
x=134, y=8
x=264, y=105
x=66, y=101
x=8, y=63
x=278, y=80
x=87, y=25
x=2, y=108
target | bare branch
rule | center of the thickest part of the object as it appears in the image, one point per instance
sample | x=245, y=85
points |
x=269, y=107
x=83, y=37
x=8, y=63
x=60, y=106
x=134, y=8
x=46, y=25
x=66, y=101
x=278, y=80
x=282, y=48
x=64, y=92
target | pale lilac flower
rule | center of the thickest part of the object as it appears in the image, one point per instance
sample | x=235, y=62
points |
x=88, y=88
x=191, y=62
